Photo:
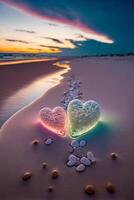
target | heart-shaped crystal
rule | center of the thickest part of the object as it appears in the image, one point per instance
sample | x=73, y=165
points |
x=82, y=116
x=54, y=120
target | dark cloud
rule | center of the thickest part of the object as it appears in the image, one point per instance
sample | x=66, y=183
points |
x=25, y=31
x=19, y=41
x=53, y=49
x=34, y=49
x=75, y=43
x=46, y=46
x=53, y=39
x=72, y=41
x=41, y=45
x=81, y=36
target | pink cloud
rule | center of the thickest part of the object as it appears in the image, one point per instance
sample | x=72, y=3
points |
x=74, y=23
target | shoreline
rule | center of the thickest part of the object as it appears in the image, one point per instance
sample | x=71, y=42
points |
x=21, y=61
x=53, y=69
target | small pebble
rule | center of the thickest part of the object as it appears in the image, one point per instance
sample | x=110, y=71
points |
x=71, y=163
x=35, y=142
x=75, y=143
x=89, y=189
x=110, y=188
x=72, y=157
x=82, y=143
x=90, y=156
x=48, y=141
x=85, y=161
x=80, y=168
x=55, y=174
x=50, y=188
x=44, y=164
x=26, y=176
x=114, y=156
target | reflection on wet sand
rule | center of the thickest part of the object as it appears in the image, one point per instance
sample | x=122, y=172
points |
x=62, y=64
x=32, y=91
x=24, y=61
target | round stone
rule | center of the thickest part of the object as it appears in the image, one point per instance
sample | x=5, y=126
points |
x=35, y=142
x=85, y=161
x=82, y=143
x=80, y=168
x=44, y=164
x=50, y=188
x=55, y=174
x=71, y=163
x=114, y=156
x=89, y=189
x=75, y=143
x=110, y=188
x=90, y=156
x=48, y=141
x=72, y=157
x=26, y=176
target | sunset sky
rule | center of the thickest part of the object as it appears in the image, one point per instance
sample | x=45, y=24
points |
x=67, y=27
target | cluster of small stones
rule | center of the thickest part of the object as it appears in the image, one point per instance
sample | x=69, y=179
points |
x=74, y=91
x=80, y=163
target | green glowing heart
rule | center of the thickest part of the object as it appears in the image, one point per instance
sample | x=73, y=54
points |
x=82, y=116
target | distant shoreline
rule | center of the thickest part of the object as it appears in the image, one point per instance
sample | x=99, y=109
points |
x=6, y=57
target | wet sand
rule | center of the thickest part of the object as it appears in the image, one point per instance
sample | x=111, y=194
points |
x=15, y=78
x=110, y=82
x=22, y=61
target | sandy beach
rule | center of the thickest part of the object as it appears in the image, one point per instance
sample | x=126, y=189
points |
x=107, y=80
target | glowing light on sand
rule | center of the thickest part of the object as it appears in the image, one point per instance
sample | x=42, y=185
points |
x=64, y=64
x=81, y=133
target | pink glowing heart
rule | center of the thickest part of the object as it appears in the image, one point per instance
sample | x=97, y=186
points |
x=54, y=120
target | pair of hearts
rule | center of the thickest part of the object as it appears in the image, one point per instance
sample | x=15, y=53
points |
x=80, y=118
